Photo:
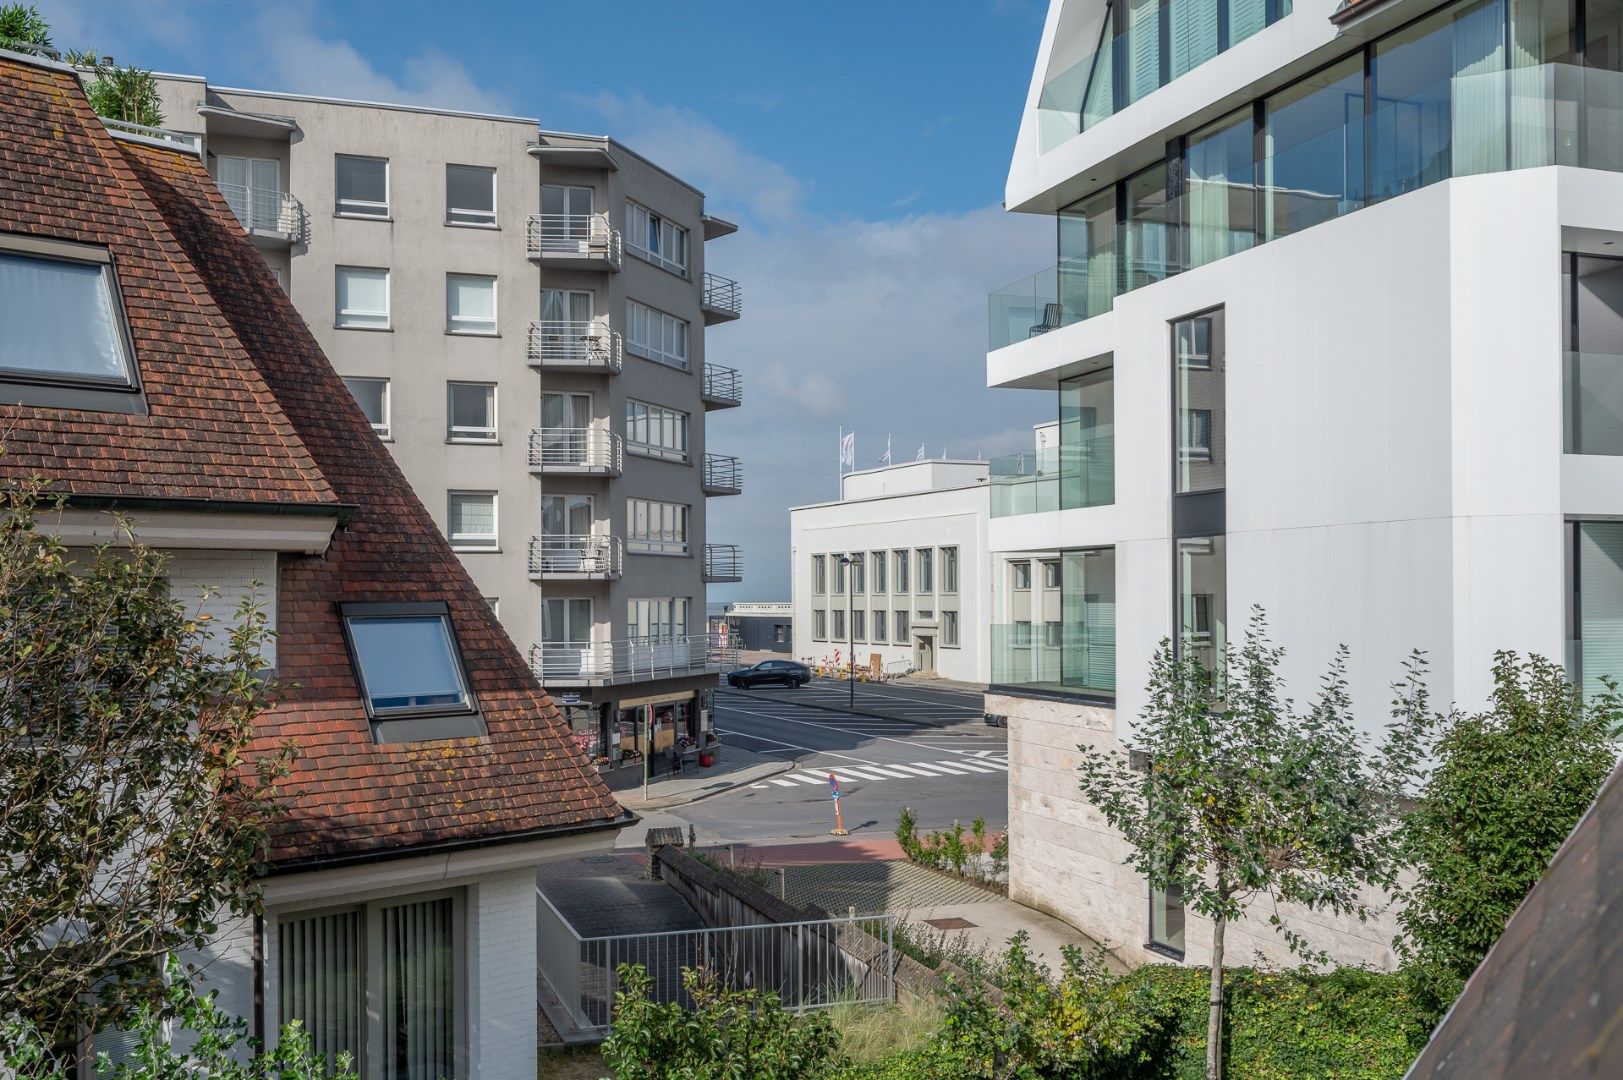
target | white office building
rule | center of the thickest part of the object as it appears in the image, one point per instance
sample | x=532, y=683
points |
x=895, y=571
x=1396, y=226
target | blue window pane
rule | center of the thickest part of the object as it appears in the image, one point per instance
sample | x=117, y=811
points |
x=57, y=319
x=407, y=662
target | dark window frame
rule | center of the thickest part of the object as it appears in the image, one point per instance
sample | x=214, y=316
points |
x=416, y=723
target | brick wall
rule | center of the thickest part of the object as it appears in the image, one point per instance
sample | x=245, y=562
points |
x=502, y=977
x=227, y=577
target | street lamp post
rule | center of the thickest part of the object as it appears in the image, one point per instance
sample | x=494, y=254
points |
x=851, y=562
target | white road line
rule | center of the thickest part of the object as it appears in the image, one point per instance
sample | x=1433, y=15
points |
x=782, y=783
x=971, y=764
x=888, y=770
x=916, y=771
x=805, y=779
x=1000, y=765
x=863, y=773
x=831, y=727
x=950, y=770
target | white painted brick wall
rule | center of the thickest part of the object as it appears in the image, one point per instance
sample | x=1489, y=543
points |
x=228, y=577
x=502, y=977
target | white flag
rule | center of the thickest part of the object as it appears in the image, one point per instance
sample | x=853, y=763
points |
x=848, y=449
x=920, y=456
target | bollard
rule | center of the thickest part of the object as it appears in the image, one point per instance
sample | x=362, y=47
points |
x=783, y=886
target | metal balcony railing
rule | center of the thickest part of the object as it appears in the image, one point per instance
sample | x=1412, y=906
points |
x=586, y=236
x=570, y=663
x=574, y=556
x=723, y=562
x=722, y=386
x=723, y=475
x=265, y=212
x=575, y=450
x=722, y=298
x=587, y=345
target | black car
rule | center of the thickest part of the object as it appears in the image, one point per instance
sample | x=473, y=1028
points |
x=769, y=673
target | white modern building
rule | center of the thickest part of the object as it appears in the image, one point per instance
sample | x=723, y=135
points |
x=895, y=571
x=1394, y=225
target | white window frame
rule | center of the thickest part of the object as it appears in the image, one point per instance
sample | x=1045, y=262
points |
x=363, y=208
x=467, y=326
x=819, y=575
x=1020, y=572
x=859, y=624
x=341, y=314
x=903, y=558
x=644, y=420
x=879, y=561
x=641, y=222
x=479, y=221
x=838, y=629
x=879, y=626
x=949, y=630
x=480, y=542
x=381, y=430
x=657, y=619
x=485, y=435
x=819, y=625
x=899, y=626
x=1051, y=574
x=924, y=571
x=947, y=558
x=654, y=527
x=641, y=324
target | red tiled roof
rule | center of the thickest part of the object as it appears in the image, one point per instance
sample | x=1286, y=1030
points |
x=214, y=430
x=347, y=796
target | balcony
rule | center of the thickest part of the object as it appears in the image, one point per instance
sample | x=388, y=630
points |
x=576, y=558
x=273, y=219
x=723, y=562
x=723, y=389
x=1057, y=478
x=575, y=452
x=721, y=300
x=602, y=663
x=723, y=475
x=574, y=346
x=1046, y=658
x=573, y=241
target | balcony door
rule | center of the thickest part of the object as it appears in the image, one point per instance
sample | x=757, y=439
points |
x=566, y=323
x=566, y=529
x=565, y=420
x=566, y=217
x=253, y=189
x=566, y=636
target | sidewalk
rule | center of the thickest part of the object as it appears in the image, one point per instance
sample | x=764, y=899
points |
x=734, y=767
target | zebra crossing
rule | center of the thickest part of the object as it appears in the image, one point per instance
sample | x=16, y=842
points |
x=966, y=764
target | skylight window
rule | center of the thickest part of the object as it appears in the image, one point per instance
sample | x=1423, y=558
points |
x=410, y=671
x=61, y=321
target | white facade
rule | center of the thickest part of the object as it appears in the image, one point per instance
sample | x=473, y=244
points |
x=1389, y=410
x=924, y=610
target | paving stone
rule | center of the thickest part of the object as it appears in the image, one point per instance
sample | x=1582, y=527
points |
x=602, y=895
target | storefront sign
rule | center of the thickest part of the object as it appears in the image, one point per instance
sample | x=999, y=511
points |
x=656, y=699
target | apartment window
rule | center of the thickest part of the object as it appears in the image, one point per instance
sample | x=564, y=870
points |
x=1593, y=354
x=901, y=571
x=381, y=982
x=1052, y=635
x=372, y=395
x=1021, y=572
x=879, y=626
x=839, y=624
x=410, y=671
x=819, y=574
x=654, y=238
x=1166, y=920
x=566, y=626
x=470, y=410
x=1022, y=633
x=663, y=618
x=840, y=565
x=899, y=618
x=858, y=576
x=657, y=336
x=878, y=560
x=656, y=431
x=1595, y=599
x=471, y=520
x=470, y=195
x=361, y=186
x=949, y=569
x=362, y=298
x=62, y=319
x=925, y=614
x=1087, y=440
x=780, y=634
x=1202, y=593
x=470, y=304
x=1051, y=574
x=926, y=570
x=1077, y=653
x=819, y=626
x=495, y=605
x=659, y=528
x=859, y=629
x=1198, y=374
x=949, y=628
x=253, y=190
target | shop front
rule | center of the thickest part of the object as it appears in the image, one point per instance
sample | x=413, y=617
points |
x=650, y=735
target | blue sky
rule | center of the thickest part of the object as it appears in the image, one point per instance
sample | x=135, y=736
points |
x=862, y=147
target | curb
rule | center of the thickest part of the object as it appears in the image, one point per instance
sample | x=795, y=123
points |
x=686, y=800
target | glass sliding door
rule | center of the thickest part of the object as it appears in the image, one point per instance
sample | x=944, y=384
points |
x=1087, y=258
x=565, y=419
x=1220, y=202
x=1087, y=438
x=320, y=964
x=566, y=532
x=1593, y=355
x=566, y=217
x=566, y=323
x=1313, y=157
x=416, y=964
x=1597, y=653
x=1088, y=620
x=566, y=636
x=1146, y=235
x=1202, y=597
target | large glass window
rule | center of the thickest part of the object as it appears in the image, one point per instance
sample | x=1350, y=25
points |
x=1202, y=591
x=1166, y=919
x=1087, y=440
x=949, y=628
x=879, y=635
x=470, y=304
x=859, y=582
x=470, y=411
x=949, y=569
x=859, y=629
x=1146, y=234
x=1220, y=201
x=663, y=618
x=406, y=659
x=372, y=395
x=657, y=527
x=1593, y=355
x=820, y=625
x=1596, y=570
x=1198, y=369
x=656, y=431
x=839, y=624
x=926, y=570
x=1087, y=261
x=361, y=298
x=656, y=239
x=470, y=195
x=659, y=337
x=877, y=560
x=901, y=571
x=61, y=321
x=1076, y=651
x=471, y=520
x=1313, y=164
x=819, y=574
x=361, y=186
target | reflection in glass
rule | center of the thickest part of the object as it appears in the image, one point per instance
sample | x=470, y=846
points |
x=1201, y=429
x=1202, y=599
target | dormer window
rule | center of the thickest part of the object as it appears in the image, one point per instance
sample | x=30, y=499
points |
x=410, y=672
x=63, y=334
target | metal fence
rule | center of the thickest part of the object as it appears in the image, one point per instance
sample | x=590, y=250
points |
x=812, y=964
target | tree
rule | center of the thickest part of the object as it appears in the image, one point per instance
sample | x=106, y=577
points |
x=125, y=93
x=219, y=1046
x=1510, y=783
x=131, y=821
x=1245, y=797
x=23, y=29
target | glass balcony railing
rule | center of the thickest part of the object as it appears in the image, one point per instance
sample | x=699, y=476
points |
x=1468, y=124
x=1593, y=399
x=1049, y=657
x=1058, y=478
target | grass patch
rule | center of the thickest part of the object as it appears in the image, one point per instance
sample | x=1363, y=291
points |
x=571, y=1063
x=870, y=1033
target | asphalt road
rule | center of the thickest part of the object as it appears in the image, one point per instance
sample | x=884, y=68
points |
x=934, y=754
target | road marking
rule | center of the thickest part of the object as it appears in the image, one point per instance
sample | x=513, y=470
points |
x=950, y=770
x=806, y=779
x=780, y=783
x=862, y=773
x=971, y=764
x=888, y=770
x=843, y=730
x=917, y=771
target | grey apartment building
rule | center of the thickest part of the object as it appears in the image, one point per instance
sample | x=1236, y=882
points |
x=522, y=315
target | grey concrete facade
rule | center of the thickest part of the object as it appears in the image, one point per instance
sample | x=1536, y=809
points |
x=616, y=652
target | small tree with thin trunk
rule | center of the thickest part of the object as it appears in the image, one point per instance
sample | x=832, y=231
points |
x=1243, y=797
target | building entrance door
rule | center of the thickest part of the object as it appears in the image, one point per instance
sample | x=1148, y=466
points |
x=924, y=654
